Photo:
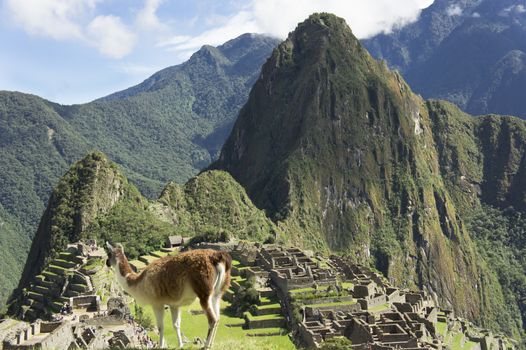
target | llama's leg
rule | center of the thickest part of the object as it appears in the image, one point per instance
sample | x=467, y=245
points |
x=206, y=304
x=176, y=319
x=216, y=304
x=158, y=310
x=216, y=301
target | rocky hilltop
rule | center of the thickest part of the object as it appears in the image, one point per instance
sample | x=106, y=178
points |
x=343, y=155
x=94, y=200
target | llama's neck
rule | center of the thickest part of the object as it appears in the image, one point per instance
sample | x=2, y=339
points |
x=124, y=272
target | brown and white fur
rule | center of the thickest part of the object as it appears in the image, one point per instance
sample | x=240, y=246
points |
x=177, y=281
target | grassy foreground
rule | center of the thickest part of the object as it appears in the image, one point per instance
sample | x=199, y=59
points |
x=227, y=338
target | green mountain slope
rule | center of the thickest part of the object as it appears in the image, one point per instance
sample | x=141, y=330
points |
x=166, y=128
x=468, y=52
x=173, y=124
x=36, y=146
x=214, y=200
x=14, y=250
x=340, y=152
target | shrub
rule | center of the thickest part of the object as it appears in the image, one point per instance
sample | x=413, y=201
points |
x=246, y=299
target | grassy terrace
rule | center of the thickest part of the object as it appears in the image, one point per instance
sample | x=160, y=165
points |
x=159, y=253
x=456, y=344
x=347, y=285
x=148, y=259
x=227, y=337
x=263, y=317
x=266, y=301
x=379, y=308
x=139, y=265
x=93, y=264
x=352, y=302
x=268, y=306
x=441, y=328
x=344, y=285
x=263, y=331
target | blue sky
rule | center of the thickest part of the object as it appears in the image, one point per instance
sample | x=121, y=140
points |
x=73, y=51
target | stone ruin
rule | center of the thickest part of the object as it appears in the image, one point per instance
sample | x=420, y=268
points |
x=334, y=297
x=114, y=328
x=368, y=311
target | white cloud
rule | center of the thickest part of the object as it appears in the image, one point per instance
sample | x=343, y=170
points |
x=147, y=16
x=279, y=17
x=475, y=15
x=454, y=10
x=51, y=18
x=77, y=19
x=110, y=36
x=242, y=22
x=66, y=19
x=515, y=9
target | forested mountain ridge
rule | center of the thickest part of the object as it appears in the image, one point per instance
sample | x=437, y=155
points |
x=339, y=151
x=470, y=52
x=164, y=129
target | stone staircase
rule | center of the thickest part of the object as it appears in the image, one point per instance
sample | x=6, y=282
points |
x=57, y=282
x=266, y=319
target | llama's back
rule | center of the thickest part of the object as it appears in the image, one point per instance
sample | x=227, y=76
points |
x=201, y=271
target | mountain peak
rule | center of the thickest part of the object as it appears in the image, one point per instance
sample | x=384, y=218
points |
x=92, y=186
x=328, y=140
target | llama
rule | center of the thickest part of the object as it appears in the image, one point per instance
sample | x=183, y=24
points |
x=177, y=281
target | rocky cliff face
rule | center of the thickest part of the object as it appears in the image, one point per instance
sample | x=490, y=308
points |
x=340, y=152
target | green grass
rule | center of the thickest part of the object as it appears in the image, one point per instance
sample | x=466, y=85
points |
x=456, y=342
x=93, y=263
x=303, y=290
x=269, y=306
x=229, y=338
x=378, y=308
x=159, y=253
x=347, y=285
x=266, y=300
x=149, y=258
x=352, y=302
x=263, y=317
x=441, y=328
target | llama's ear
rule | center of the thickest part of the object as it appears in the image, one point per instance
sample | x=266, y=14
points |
x=120, y=247
x=109, y=246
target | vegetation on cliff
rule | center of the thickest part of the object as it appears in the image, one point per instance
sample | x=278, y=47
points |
x=214, y=200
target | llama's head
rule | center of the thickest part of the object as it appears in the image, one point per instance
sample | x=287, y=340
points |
x=113, y=254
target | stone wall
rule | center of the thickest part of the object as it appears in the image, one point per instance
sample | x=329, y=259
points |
x=60, y=338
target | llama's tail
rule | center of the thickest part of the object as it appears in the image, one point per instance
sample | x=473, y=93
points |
x=223, y=264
